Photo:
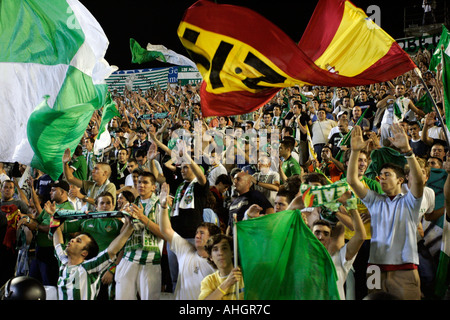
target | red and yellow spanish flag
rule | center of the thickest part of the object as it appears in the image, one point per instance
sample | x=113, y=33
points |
x=245, y=59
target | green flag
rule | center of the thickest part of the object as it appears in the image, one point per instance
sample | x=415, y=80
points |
x=282, y=259
x=50, y=132
x=103, y=139
x=52, y=49
x=442, y=279
x=109, y=111
x=158, y=52
x=381, y=156
x=446, y=84
x=425, y=103
x=437, y=56
x=397, y=111
x=141, y=55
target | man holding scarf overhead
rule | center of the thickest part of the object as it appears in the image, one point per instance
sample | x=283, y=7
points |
x=188, y=204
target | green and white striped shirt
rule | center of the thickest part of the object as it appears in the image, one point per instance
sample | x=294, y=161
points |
x=82, y=281
x=143, y=247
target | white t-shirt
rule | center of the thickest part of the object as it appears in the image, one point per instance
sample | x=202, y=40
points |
x=320, y=130
x=403, y=104
x=214, y=173
x=342, y=268
x=192, y=269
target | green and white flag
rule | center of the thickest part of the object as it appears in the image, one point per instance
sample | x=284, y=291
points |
x=103, y=139
x=436, y=58
x=157, y=52
x=52, y=79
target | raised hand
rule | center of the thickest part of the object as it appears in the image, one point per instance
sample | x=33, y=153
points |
x=66, y=156
x=164, y=194
x=254, y=211
x=152, y=151
x=357, y=141
x=400, y=139
x=50, y=207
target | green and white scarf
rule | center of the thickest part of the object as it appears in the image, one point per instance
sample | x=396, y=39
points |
x=316, y=196
x=142, y=238
x=120, y=171
x=185, y=202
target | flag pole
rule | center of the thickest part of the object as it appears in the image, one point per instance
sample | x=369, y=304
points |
x=235, y=251
x=434, y=104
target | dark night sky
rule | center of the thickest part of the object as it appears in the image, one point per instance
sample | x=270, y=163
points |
x=156, y=21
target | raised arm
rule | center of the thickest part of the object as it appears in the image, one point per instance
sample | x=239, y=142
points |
x=355, y=243
x=164, y=225
x=401, y=141
x=357, y=144
x=58, y=237
x=68, y=172
x=117, y=244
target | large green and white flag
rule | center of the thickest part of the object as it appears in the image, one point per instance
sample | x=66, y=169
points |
x=444, y=40
x=157, y=52
x=52, y=79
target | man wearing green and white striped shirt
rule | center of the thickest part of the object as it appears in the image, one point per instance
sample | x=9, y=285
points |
x=139, y=270
x=81, y=266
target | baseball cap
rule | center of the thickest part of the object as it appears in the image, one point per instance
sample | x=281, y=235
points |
x=341, y=113
x=61, y=184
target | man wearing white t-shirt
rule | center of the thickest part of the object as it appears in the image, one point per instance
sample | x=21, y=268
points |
x=193, y=265
x=391, y=116
x=216, y=168
x=342, y=254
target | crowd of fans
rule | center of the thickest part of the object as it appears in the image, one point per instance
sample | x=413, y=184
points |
x=184, y=179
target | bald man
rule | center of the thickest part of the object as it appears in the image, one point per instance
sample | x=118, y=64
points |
x=89, y=190
x=242, y=182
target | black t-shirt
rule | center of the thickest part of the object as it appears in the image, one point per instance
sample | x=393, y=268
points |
x=367, y=104
x=420, y=148
x=335, y=139
x=187, y=220
x=244, y=201
x=115, y=174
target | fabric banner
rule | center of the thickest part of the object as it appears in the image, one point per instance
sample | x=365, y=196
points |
x=188, y=75
x=143, y=79
x=282, y=259
x=316, y=196
x=245, y=60
x=51, y=59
